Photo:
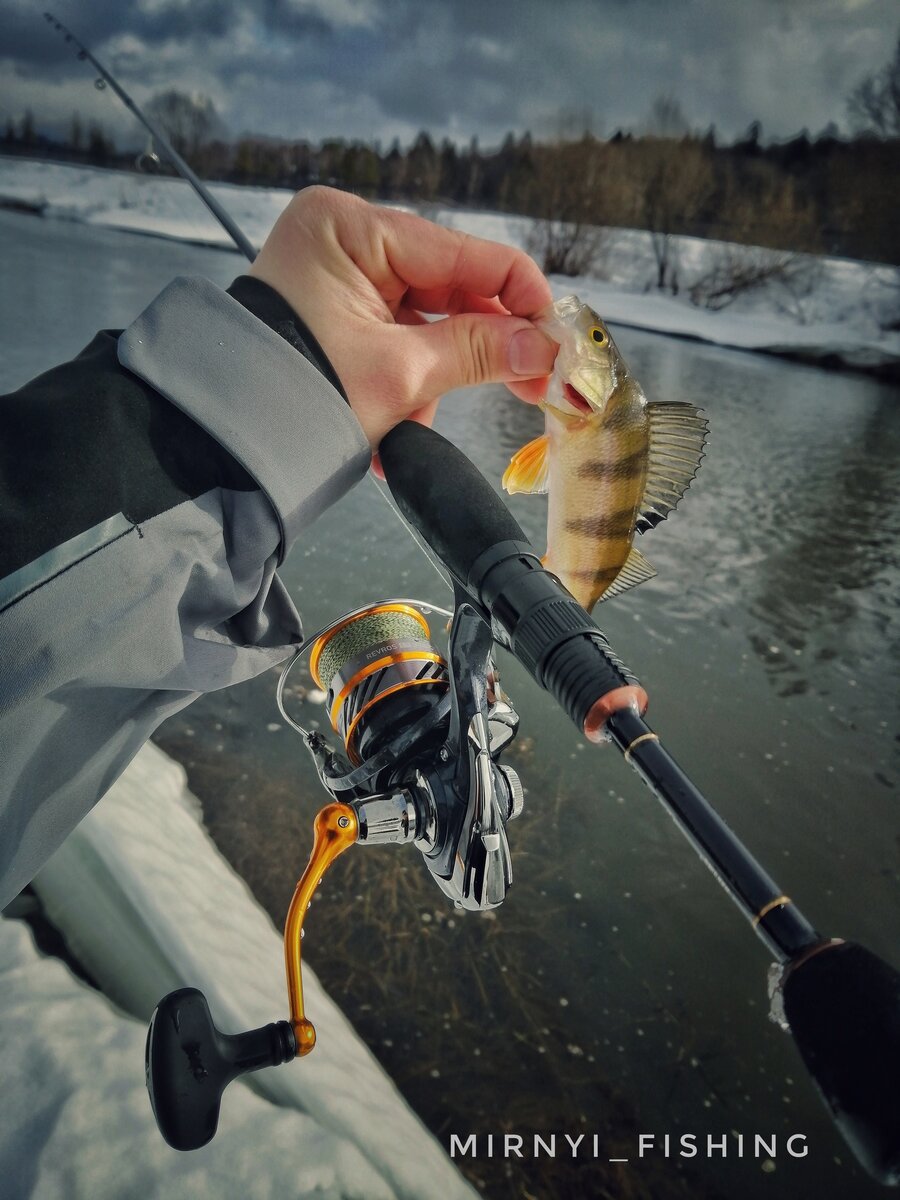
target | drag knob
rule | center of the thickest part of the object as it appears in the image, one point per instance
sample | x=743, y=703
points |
x=515, y=792
x=189, y=1063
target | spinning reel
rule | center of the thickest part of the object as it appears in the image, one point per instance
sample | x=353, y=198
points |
x=423, y=737
x=419, y=763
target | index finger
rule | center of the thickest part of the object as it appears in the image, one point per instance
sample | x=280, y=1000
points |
x=429, y=257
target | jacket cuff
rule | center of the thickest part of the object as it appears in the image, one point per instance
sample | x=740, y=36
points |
x=250, y=389
x=270, y=306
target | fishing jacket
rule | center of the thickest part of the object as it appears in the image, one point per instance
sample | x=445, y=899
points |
x=149, y=490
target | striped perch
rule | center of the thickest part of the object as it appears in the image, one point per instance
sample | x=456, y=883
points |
x=612, y=464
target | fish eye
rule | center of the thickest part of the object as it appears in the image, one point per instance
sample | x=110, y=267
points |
x=599, y=336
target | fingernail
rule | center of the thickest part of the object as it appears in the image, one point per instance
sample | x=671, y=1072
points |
x=531, y=353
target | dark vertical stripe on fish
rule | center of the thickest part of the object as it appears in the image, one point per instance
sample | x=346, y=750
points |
x=624, y=468
x=610, y=525
x=600, y=575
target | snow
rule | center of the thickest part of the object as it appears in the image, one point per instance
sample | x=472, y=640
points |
x=75, y=1122
x=839, y=321
x=147, y=904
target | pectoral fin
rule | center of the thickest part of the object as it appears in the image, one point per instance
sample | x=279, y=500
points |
x=635, y=570
x=677, y=437
x=529, y=468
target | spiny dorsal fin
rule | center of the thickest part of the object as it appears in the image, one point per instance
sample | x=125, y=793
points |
x=635, y=570
x=677, y=437
x=528, y=468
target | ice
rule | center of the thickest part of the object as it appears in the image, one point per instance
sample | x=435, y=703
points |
x=148, y=904
x=838, y=322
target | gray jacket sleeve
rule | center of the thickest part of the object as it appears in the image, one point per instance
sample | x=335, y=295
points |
x=129, y=619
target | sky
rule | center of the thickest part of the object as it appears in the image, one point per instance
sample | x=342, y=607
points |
x=380, y=69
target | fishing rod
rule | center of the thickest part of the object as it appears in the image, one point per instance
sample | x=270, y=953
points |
x=104, y=78
x=231, y=227
x=420, y=764
x=422, y=738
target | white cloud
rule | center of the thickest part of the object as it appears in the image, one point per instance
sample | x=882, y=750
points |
x=349, y=14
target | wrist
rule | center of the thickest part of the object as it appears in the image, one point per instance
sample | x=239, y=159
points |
x=267, y=304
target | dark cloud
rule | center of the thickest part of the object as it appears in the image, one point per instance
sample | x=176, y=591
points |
x=382, y=68
x=286, y=19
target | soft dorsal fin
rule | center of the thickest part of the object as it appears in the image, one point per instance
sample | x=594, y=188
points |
x=635, y=570
x=528, y=468
x=677, y=437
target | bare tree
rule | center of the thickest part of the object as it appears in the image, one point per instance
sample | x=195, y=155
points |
x=190, y=121
x=773, y=205
x=734, y=270
x=875, y=103
x=566, y=239
x=667, y=119
x=423, y=168
x=678, y=186
x=27, y=136
x=677, y=183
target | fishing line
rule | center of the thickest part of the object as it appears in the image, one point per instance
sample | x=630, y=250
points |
x=419, y=541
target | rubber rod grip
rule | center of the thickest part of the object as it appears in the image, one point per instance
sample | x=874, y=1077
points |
x=580, y=671
x=444, y=496
x=462, y=518
x=843, y=1007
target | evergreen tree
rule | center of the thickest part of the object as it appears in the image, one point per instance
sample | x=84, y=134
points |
x=99, y=147
x=27, y=136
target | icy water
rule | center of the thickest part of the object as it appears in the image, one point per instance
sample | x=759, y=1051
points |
x=618, y=990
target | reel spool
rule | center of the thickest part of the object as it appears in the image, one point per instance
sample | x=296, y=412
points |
x=380, y=673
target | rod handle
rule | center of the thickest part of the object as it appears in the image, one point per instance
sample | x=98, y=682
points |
x=444, y=495
x=447, y=499
x=842, y=1004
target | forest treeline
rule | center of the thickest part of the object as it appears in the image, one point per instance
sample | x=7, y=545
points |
x=825, y=194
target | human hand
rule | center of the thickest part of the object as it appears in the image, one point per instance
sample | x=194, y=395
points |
x=361, y=277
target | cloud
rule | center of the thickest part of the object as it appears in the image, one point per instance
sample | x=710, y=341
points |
x=386, y=68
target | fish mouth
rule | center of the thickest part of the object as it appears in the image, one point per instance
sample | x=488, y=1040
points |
x=576, y=399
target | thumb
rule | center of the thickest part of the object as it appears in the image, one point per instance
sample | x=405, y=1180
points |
x=473, y=348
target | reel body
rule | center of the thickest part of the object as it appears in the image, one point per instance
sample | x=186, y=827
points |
x=421, y=737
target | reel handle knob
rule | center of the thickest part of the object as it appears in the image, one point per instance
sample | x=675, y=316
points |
x=189, y=1063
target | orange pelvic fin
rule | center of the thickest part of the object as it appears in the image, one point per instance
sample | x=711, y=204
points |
x=528, y=469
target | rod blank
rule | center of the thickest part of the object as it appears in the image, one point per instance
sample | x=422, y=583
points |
x=776, y=920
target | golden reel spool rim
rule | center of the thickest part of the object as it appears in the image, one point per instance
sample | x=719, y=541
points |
x=326, y=635
x=426, y=607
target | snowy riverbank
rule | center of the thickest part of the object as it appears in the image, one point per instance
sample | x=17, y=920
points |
x=837, y=322
x=147, y=904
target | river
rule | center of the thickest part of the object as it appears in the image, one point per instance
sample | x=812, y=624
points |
x=618, y=990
